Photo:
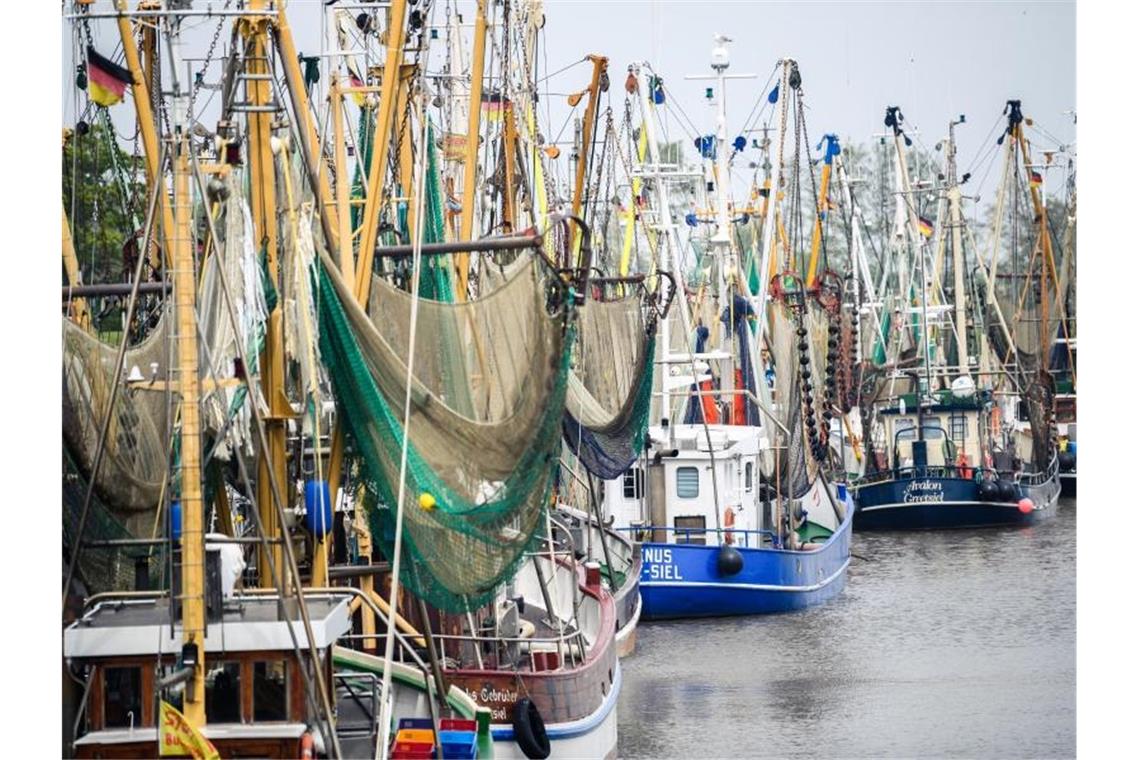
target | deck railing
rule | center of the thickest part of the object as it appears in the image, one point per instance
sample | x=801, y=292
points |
x=750, y=537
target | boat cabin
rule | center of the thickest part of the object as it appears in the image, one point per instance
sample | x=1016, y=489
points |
x=950, y=434
x=668, y=498
x=255, y=699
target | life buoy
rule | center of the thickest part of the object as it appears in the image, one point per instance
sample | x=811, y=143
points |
x=530, y=731
x=729, y=521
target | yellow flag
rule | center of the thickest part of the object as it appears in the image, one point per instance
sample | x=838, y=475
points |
x=177, y=737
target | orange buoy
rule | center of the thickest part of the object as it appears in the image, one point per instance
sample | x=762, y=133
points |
x=1025, y=506
x=729, y=521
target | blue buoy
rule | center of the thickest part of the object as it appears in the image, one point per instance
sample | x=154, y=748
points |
x=318, y=508
x=176, y=519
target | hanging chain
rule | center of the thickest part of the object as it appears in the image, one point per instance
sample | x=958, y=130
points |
x=200, y=77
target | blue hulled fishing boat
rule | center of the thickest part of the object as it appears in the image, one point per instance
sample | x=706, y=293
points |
x=731, y=500
x=947, y=453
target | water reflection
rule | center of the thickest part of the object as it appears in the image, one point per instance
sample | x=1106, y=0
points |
x=943, y=644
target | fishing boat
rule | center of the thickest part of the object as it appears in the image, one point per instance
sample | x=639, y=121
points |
x=946, y=451
x=721, y=532
x=307, y=379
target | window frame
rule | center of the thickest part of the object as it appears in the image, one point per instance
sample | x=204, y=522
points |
x=696, y=484
x=633, y=483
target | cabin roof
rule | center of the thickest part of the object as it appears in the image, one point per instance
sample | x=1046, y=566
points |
x=212, y=731
x=124, y=628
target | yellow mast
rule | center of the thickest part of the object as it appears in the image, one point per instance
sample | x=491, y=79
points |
x=141, y=96
x=380, y=144
x=600, y=62
x=470, y=160
x=344, y=234
x=821, y=210
x=263, y=209
x=186, y=341
x=79, y=313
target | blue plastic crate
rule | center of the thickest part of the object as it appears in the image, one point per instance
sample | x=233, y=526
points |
x=460, y=745
x=415, y=723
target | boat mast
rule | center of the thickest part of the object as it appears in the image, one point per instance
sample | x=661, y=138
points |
x=471, y=154
x=918, y=248
x=954, y=201
x=668, y=240
x=600, y=63
x=774, y=190
x=829, y=153
x=263, y=210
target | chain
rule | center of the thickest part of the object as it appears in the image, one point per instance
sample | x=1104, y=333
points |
x=811, y=174
x=200, y=77
x=780, y=179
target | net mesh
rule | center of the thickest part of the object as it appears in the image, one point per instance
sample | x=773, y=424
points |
x=487, y=397
x=134, y=462
x=798, y=469
x=607, y=402
x=102, y=568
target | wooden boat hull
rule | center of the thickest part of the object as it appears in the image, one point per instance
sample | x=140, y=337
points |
x=682, y=580
x=577, y=703
x=934, y=503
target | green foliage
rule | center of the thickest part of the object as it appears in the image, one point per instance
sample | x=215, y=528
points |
x=99, y=182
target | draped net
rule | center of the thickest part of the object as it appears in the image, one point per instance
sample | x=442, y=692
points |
x=134, y=462
x=609, y=392
x=487, y=396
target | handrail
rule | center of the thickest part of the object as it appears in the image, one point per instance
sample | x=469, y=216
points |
x=638, y=530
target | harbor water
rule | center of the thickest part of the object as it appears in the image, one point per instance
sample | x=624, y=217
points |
x=943, y=644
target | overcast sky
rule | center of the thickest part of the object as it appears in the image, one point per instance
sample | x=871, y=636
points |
x=933, y=59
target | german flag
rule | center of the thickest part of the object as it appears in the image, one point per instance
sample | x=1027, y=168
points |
x=493, y=106
x=106, y=81
x=1034, y=179
x=925, y=226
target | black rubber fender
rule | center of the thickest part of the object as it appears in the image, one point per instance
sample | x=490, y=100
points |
x=729, y=560
x=530, y=730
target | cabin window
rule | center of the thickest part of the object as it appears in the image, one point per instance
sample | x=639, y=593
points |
x=905, y=430
x=688, y=483
x=223, y=692
x=271, y=690
x=748, y=476
x=693, y=523
x=958, y=428
x=633, y=483
x=122, y=697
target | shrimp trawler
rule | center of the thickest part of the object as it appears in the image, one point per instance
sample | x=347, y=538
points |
x=942, y=452
x=325, y=528
x=723, y=530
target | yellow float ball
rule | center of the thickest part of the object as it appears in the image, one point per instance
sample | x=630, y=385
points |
x=427, y=501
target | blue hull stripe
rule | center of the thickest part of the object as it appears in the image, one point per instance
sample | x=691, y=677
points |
x=755, y=586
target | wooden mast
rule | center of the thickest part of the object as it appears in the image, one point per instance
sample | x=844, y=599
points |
x=470, y=158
